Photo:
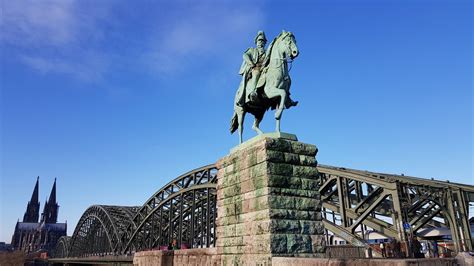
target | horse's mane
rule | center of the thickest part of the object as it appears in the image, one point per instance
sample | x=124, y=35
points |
x=282, y=35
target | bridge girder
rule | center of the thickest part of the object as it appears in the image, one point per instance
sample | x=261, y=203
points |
x=360, y=200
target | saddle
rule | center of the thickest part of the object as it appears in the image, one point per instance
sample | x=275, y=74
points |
x=262, y=79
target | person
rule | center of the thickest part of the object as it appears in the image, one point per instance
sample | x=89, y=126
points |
x=417, y=248
x=435, y=249
x=174, y=245
x=393, y=248
x=397, y=249
x=254, y=60
x=429, y=248
x=382, y=249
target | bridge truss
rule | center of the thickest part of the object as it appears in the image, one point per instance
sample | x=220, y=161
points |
x=184, y=210
x=99, y=230
x=355, y=204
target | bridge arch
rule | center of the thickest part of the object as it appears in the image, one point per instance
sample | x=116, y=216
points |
x=62, y=247
x=99, y=230
x=175, y=211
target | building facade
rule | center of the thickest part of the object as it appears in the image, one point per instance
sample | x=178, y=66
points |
x=39, y=235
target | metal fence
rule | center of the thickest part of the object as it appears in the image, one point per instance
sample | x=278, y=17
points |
x=345, y=252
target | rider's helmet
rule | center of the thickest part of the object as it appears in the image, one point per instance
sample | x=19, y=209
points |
x=260, y=36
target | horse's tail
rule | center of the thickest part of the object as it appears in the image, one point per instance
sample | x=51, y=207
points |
x=234, y=123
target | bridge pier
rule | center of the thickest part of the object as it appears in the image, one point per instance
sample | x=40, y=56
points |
x=268, y=202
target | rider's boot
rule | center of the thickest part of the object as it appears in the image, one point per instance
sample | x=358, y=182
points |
x=253, y=96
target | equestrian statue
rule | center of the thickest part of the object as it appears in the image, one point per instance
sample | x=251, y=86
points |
x=265, y=81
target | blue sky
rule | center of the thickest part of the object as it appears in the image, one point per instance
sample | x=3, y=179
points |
x=116, y=98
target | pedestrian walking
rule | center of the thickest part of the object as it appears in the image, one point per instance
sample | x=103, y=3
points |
x=382, y=249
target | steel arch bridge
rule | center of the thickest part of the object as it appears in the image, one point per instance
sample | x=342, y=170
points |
x=99, y=230
x=355, y=203
x=184, y=209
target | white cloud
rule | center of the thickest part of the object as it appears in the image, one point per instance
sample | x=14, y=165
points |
x=54, y=36
x=72, y=37
x=38, y=23
x=90, y=68
x=201, y=29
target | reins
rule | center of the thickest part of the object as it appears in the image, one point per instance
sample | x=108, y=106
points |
x=288, y=60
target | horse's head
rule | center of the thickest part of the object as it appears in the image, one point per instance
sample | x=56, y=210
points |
x=288, y=45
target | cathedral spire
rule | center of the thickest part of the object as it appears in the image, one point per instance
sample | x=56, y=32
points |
x=52, y=196
x=50, y=211
x=32, y=209
x=35, y=195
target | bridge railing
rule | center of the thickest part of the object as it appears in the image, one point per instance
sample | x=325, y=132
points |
x=345, y=252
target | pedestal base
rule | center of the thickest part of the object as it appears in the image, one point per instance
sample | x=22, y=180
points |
x=268, y=201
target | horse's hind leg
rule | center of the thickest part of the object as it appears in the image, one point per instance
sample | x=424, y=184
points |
x=240, y=118
x=256, y=122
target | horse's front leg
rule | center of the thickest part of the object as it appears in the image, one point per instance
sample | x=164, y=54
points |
x=278, y=93
x=281, y=106
x=277, y=126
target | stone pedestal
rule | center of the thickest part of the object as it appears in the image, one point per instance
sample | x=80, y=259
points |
x=268, y=202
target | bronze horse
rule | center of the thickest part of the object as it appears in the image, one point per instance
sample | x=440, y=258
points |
x=274, y=86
